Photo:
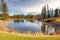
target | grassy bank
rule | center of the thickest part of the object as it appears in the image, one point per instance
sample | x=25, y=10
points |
x=10, y=36
x=13, y=36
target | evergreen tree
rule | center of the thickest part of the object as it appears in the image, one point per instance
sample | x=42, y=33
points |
x=44, y=12
x=0, y=9
x=4, y=7
x=59, y=12
x=56, y=12
x=52, y=12
x=48, y=16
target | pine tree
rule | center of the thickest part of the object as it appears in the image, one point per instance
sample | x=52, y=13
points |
x=44, y=12
x=48, y=16
x=4, y=7
x=56, y=12
x=59, y=12
x=52, y=12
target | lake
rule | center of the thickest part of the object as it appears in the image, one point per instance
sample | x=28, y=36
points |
x=32, y=26
x=26, y=26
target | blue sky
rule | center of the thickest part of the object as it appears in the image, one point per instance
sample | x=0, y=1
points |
x=26, y=6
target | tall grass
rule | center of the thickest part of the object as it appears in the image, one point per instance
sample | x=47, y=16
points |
x=6, y=36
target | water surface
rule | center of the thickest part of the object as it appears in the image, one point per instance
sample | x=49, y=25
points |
x=26, y=26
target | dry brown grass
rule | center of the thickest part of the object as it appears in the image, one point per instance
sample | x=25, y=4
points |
x=57, y=20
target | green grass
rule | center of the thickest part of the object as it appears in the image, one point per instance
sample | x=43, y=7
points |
x=6, y=36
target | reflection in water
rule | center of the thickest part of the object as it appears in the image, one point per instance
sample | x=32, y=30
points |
x=25, y=26
x=47, y=29
x=51, y=31
x=18, y=21
x=30, y=21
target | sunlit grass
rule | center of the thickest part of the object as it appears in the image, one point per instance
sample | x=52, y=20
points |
x=57, y=19
x=8, y=36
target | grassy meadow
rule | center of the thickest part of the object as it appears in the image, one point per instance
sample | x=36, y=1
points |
x=10, y=36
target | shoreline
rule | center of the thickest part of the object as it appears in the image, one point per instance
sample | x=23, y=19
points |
x=23, y=34
x=27, y=35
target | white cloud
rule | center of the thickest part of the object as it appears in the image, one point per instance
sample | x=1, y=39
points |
x=20, y=5
x=54, y=4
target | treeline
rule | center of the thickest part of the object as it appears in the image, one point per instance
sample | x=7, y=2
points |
x=45, y=13
x=48, y=13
